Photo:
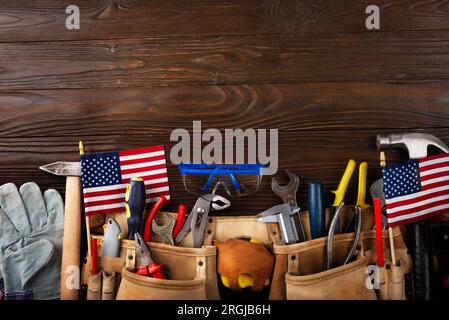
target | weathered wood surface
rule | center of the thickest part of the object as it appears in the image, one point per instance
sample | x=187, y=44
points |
x=44, y=20
x=313, y=155
x=288, y=107
x=138, y=69
x=250, y=59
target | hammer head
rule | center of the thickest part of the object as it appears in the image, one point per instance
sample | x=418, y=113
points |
x=415, y=143
x=63, y=168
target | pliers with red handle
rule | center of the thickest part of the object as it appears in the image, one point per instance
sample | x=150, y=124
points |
x=180, y=219
x=146, y=265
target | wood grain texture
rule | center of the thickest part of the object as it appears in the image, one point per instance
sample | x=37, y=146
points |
x=44, y=20
x=289, y=107
x=312, y=155
x=370, y=57
x=138, y=69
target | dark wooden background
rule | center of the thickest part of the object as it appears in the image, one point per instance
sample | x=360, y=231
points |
x=138, y=69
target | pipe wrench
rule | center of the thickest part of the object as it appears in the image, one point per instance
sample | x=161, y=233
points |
x=197, y=220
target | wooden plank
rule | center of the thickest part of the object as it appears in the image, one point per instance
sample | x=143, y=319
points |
x=158, y=110
x=374, y=57
x=105, y=19
x=313, y=155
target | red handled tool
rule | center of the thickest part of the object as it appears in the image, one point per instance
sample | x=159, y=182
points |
x=154, y=211
x=180, y=219
x=94, y=256
x=147, y=266
x=379, y=240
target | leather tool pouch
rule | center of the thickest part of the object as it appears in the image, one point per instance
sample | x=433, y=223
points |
x=190, y=275
x=307, y=277
x=191, y=272
x=299, y=270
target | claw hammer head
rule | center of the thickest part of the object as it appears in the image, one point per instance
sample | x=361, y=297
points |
x=415, y=143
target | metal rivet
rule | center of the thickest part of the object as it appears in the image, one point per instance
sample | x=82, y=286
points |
x=274, y=233
x=130, y=257
x=211, y=220
x=209, y=231
x=200, y=263
x=293, y=258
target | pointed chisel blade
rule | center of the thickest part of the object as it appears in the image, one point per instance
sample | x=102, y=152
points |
x=63, y=168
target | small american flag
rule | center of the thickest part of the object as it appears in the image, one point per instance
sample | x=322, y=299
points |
x=417, y=189
x=105, y=175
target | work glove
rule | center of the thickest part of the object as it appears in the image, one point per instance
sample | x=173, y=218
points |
x=31, y=231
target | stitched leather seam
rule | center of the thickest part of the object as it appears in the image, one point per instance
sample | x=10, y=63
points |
x=163, y=283
x=319, y=277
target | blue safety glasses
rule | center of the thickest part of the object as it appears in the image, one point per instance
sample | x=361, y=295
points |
x=236, y=179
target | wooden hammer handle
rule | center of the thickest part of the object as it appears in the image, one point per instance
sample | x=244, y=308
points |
x=70, y=268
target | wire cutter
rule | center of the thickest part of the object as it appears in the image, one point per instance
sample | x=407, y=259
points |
x=146, y=265
x=356, y=222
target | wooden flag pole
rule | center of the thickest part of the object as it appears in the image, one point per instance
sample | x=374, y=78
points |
x=89, y=246
x=383, y=164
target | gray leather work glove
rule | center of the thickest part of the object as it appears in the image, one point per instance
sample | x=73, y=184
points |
x=31, y=231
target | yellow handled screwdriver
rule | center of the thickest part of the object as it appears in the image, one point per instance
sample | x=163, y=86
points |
x=341, y=190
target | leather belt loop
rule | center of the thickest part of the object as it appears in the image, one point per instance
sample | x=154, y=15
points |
x=130, y=258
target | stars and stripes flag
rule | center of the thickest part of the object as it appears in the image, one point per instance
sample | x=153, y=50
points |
x=417, y=189
x=105, y=176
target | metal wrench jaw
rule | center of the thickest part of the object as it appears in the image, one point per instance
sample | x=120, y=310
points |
x=216, y=206
x=282, y=214
x=165, y=231
x=269, y=215
x=286, y=192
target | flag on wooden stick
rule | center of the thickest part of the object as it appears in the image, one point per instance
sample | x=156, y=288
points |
x=105, y=176
x=417, y=189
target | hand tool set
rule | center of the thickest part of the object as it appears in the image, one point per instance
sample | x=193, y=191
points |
x=285, y=251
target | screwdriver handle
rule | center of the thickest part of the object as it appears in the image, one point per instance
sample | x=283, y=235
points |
x=379, y=240
x=155, y=270
x=135, y=200
x=316, y=209
x=363, y=172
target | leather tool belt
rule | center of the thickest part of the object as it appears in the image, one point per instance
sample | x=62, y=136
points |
x=299, y=273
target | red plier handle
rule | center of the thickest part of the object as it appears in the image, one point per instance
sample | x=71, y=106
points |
x=180, y=219
x=154, y=270
x=154, y=211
